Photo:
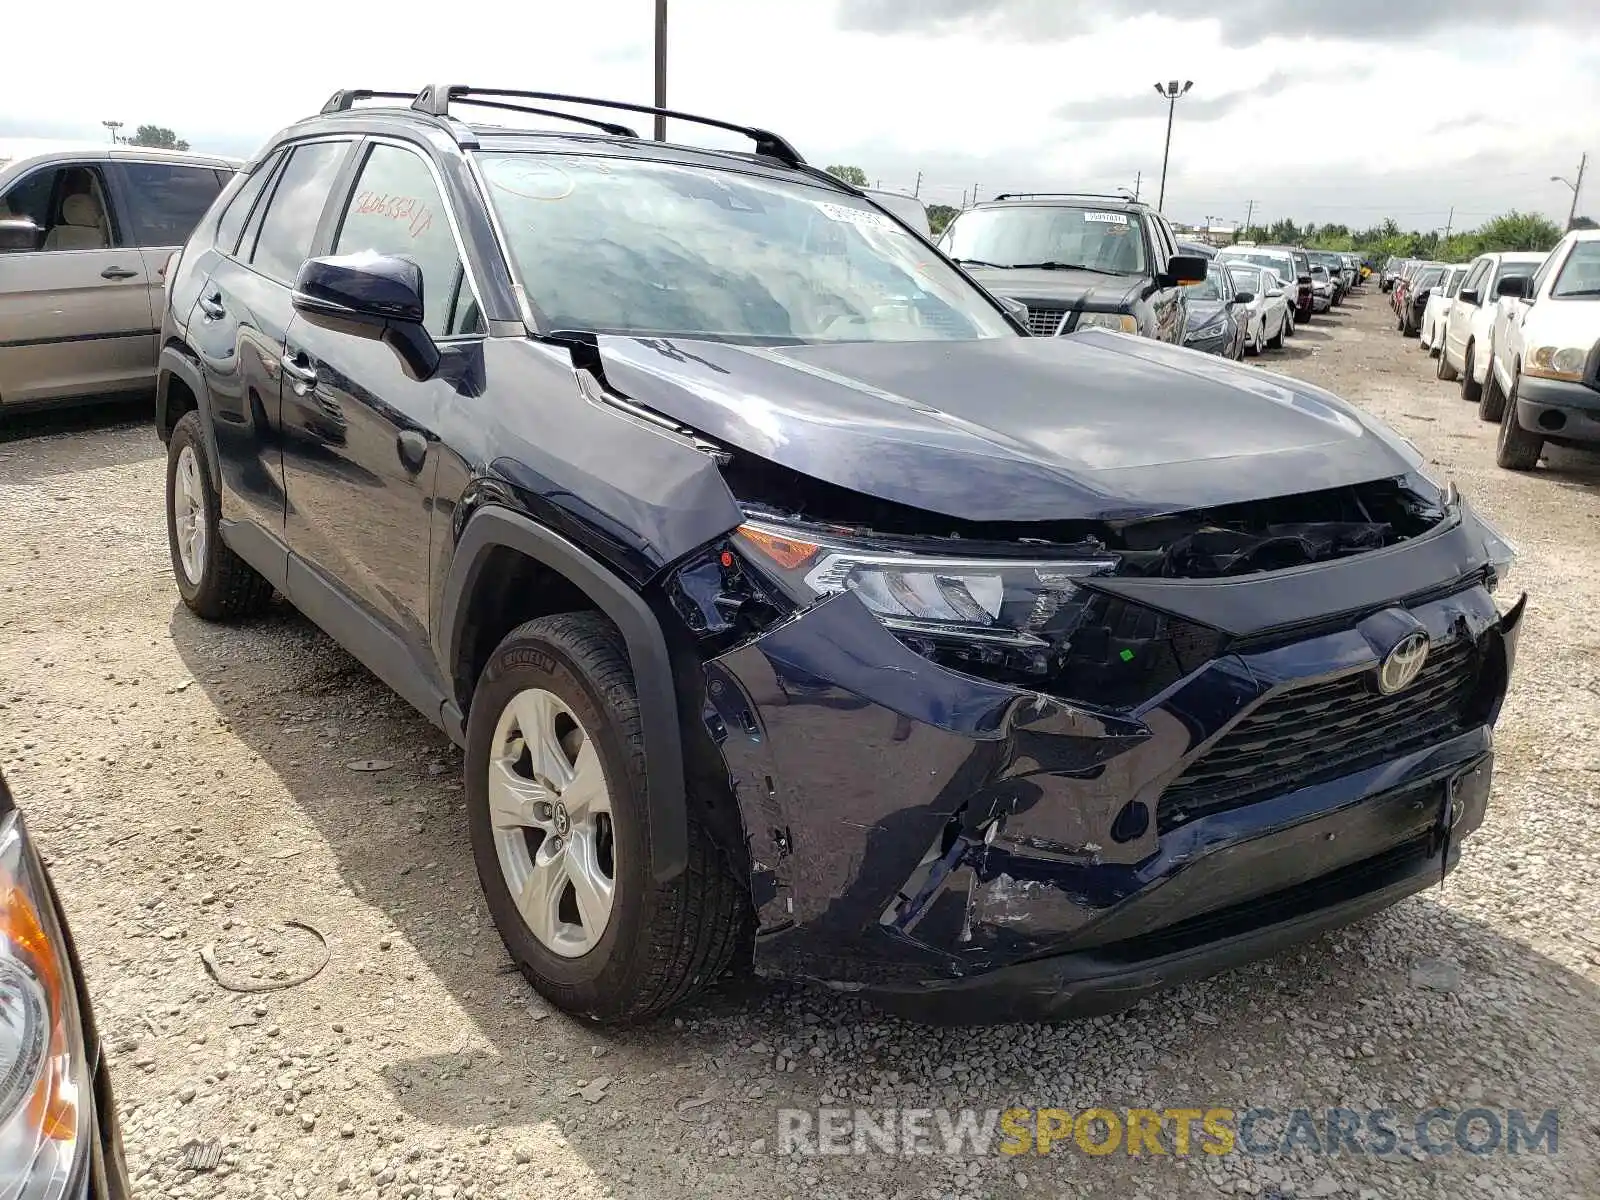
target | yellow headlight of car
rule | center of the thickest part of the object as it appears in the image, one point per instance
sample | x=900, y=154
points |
x=1124, y=322
x=1556, y=362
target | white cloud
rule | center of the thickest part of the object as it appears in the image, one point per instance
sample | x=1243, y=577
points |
x=1314, y=123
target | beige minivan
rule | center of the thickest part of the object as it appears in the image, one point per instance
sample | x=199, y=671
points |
x=85, y=234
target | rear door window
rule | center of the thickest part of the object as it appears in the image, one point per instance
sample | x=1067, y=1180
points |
x=292, y=215
x=166, y=200
x=243, y=202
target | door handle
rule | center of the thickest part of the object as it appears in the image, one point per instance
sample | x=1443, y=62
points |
x=211, y=307
x=413, y=450
x=114, y=272
x=303, y=375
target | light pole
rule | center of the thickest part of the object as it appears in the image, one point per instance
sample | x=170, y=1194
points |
x=1171, y=90
x=113, y=126
x=661, y=68
x=1572, y=214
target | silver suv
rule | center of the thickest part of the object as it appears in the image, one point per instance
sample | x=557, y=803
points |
x=85, y=234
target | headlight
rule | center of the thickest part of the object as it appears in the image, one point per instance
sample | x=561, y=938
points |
x=1125, y=322
x=1556, y=362
x=1018, y=603
x=44, y=1086
x=1211, y=329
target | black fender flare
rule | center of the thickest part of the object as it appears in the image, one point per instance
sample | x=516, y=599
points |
x=493, y=526
x=177, y=359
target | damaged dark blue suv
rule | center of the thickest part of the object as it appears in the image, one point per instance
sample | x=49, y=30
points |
x=784, y=593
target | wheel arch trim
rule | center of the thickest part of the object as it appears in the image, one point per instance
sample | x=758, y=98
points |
x=494, y=527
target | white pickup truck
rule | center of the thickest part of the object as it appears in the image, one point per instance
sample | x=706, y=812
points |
x=1543, y=383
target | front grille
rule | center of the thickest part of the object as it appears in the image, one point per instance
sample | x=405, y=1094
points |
x=1045, y=319
x=1311, y=734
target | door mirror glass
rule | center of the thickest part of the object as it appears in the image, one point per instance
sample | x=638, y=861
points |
x=1244, y=298
x=1512, y=285
x=1186, y=268
x=1468, y=296
x=19, y=235
x=370, y=295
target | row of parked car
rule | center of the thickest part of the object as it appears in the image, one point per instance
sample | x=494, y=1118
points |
x=1521, y=333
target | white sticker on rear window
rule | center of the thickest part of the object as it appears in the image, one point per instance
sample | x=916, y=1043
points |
x=1108, y=218
x=857, y=216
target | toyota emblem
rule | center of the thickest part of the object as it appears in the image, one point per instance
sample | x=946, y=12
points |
x=1403, y=664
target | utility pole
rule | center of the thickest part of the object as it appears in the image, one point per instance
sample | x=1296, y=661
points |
x=916, y=191
x=1171, y=90
x=1577, y=188
x=661, y=68
x=1138, y=178
x=1248, y=213
x=1449, y=223
x=113, y=126
x=974, y=193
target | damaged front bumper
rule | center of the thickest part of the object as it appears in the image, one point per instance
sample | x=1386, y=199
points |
x=967, y=850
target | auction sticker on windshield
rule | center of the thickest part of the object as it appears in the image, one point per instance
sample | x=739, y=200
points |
x=1107, y=218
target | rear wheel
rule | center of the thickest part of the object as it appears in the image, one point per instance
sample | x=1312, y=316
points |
x=1275, y=342
x=1518, y=449
x=1471, y=389
x=1492, y=404
x=556, y=806
x=214, y=582
x=1442, y=369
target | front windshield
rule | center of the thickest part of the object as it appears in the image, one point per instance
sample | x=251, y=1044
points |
x=1428, y=278
x=1580, y=274
x=1073, y=237
x=608, y=245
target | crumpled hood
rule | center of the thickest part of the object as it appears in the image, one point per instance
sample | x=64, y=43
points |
x=1085, y=290
x=1091, y=426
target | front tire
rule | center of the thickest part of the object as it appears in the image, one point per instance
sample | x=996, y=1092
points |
x=1492, y=404
x=214, y=582
x=1518, y=449
x=556, y=806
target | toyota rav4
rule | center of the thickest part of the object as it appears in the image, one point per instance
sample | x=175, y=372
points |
x=788, y=599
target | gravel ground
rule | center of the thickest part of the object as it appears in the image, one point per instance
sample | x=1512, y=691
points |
x=192, y=787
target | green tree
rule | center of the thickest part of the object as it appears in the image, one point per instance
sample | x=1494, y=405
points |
x=158, y=136
x=940, y=215
x=854, y=176
x=1518, y=231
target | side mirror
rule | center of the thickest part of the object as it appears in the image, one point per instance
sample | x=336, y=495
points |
x=377, y=296
x=1186, y=268
x=1512, y=285
x=1244, y=298
x=1469, y=296
x=19, y=235
x=1275, y=294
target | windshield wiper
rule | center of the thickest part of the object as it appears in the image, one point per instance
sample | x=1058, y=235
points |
x=1594, y=291
x=978, y=262
x=1061, y=266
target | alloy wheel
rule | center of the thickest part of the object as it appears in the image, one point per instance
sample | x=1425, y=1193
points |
x=189, y=515
x=550, y=808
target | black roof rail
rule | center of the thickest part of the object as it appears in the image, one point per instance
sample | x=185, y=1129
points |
x=604, y=126
x=435, y=100
x=345, y=98
x=1121, y=197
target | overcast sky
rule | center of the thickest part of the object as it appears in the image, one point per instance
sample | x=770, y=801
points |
x=1348, y=110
